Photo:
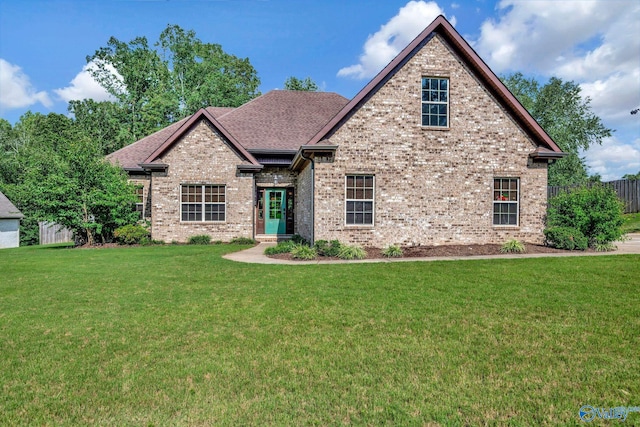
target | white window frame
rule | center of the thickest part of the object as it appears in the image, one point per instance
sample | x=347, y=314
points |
x=203, y=203
x=430, y=102
x=500, y=199
x=355, y=200
x=140, y=203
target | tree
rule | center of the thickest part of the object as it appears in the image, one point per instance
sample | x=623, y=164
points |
x=102, y=122
x=631, y=176
x=293, y=83
x=156, y=87
x=56, y=173
x=561, y=111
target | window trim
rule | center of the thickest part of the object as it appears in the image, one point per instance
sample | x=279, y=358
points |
x=372, y=200
x=139, y=205
x=505, y=202
x=203, y=203
x=447, y=103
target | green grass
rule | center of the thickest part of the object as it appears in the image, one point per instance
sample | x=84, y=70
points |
x=631, y=223
x=175, y=335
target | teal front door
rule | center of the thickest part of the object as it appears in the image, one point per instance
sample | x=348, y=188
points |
x=275, y=218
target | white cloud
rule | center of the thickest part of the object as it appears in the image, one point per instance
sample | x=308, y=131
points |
x=594, y=43
x=381, y=47
x=613, y=158
x=84, y=86
x=16, y=90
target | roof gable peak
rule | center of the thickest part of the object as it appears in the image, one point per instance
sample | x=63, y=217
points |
x=442, y=27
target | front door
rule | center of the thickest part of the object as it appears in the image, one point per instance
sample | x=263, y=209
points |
x=275, y=218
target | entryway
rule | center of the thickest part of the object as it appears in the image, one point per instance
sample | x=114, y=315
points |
x=274, y=212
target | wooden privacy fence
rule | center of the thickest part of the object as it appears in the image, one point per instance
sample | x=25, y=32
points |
x=50, y=232
x=628, y=191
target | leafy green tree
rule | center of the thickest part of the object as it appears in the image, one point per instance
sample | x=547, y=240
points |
x=58, y=174
x=102, y=122
x=156, y=87
x=567, y=117
x=294, y=83
x=631, y=176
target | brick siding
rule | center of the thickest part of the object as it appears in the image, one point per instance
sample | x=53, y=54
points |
x=201, y=157
x=432, y=186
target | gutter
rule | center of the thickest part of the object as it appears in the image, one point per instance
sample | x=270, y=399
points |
x=313, y=195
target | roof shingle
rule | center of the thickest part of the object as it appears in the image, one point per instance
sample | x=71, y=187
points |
x=278, y=120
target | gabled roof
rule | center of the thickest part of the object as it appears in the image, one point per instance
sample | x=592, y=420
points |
x=7, y=209
x=282, y=119
x=202, y=114
x=132, y=155
x=443, y=28
x=279, y=121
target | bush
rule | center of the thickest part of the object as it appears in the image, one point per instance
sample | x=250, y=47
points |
x=329, y=249
x=299, y=240
x=513, y=246
x=200, y=239
x=131, y=235
x=303, y=252
x=351, y=252
x=566, y=238
x=596, y=212
x=392, y=251
x=242, y=241
x=281, y=248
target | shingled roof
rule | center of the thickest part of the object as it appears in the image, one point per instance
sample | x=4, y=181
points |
x=282, y=119
x=277, y=121
x=7, y=209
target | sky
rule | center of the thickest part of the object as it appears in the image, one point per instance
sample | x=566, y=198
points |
x=341, y=45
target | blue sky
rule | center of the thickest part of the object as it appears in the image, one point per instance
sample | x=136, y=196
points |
x=340, y=44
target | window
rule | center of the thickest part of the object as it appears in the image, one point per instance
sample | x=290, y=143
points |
x=359, y=200
x=140, y=202
x=435, y=102
x=506, y=200
x=202, y=202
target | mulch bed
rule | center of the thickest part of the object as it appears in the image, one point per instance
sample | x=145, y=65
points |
x=440, y=251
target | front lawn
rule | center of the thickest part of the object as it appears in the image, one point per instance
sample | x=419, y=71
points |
x=176, y=335
x=631, y=223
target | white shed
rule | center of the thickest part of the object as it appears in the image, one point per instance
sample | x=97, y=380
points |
x=9, y=223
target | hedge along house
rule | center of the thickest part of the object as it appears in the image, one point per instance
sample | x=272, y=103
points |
x=434, y=150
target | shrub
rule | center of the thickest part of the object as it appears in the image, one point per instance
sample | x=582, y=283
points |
x=329, y=249
x=566, y=238
x=131, y=234
x=392, y=251
x=200, y=239
x=351, y=252
x=243, y=241
x=605, y=247
x=513, y=246
x=299, y=240
x=596, y=212
x=281, y=248
x=303, y=252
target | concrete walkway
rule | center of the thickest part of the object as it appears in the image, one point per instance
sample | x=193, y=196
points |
x=255, y=255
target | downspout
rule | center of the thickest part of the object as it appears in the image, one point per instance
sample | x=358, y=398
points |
x=313, y=195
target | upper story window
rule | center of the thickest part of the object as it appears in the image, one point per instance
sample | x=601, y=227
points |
x=359, y=200
x=435, y=102
x=202, y=202
x=506, y=201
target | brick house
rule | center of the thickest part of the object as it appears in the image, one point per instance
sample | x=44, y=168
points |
x=434, y=150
